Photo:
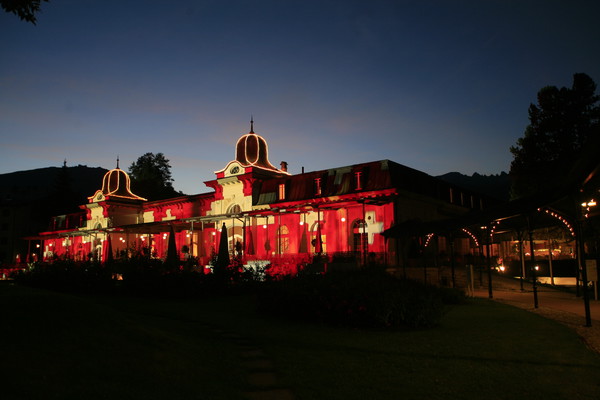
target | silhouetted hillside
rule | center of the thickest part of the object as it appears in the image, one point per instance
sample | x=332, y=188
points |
x=72, y=185
x=497, y=186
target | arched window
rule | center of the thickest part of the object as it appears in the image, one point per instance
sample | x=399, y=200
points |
x=283, y=239
x=317, y=238
x=234, y=209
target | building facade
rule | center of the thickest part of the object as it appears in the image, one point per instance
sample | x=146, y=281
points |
x=272, y=217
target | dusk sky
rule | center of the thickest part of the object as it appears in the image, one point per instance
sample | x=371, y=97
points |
x=438, y=86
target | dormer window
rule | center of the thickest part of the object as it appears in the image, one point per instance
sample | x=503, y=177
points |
x=282, y=191
x=318, y=188
x=358, y=180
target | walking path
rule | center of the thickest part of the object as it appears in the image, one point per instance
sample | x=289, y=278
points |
x=555, y=304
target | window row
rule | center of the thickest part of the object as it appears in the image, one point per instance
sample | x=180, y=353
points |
x=318, y=186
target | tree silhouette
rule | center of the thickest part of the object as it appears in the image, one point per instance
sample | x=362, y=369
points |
x=24, y=9
x=560, y=125
x=151, y=177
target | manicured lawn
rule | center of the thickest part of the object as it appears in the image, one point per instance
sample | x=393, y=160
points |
x=64, y=346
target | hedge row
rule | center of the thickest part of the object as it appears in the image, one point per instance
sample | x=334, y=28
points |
x=364, y=298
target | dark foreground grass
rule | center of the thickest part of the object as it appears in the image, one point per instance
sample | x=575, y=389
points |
x=62, y=346
x=58, y=346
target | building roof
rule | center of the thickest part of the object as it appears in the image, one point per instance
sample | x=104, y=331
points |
x=360, y=179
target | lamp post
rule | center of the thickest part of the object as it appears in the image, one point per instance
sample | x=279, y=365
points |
x=581, y=255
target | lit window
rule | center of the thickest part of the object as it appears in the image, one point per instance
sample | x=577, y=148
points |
x=283, y=239
x=317, y=186
x=358, y=180
x=282, y=191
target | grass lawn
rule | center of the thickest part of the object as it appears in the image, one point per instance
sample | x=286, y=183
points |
x=81, y=347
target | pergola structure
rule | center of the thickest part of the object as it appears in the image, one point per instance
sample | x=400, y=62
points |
x=571, y=204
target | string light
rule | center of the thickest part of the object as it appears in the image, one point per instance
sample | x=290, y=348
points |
x=473, y=237
x=429, y=237
x=587, y=205
x=561, y=219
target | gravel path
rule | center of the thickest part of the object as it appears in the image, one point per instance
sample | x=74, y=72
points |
x=554, y=304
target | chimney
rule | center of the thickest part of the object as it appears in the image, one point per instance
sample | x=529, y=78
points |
x=284, y=166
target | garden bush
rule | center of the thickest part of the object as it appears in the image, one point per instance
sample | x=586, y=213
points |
x=366, y=298
x=67, y=276
x=137, y=275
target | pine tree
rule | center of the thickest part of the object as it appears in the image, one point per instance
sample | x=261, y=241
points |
x=560, y=125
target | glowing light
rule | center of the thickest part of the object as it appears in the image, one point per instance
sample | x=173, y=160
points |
x=343, y=219
x=502, y=268
x=473, y=237
x=214, y=233
x=537, y=267
x=429, y=236
x=587, y=205
x=561, y=219
x=493, y=228
x=265, y=226
x=301, y=222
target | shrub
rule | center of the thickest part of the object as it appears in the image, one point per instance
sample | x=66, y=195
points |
x=67, y=276
x=364, y=298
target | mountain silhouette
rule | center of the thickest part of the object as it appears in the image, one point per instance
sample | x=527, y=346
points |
x=496, y=186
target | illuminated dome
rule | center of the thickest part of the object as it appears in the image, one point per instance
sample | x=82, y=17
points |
x=116, y=183
x=252, y=150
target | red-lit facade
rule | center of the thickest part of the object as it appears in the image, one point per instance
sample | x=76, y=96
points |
x=272, y=217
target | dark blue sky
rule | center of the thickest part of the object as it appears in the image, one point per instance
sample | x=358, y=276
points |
x=438, y=86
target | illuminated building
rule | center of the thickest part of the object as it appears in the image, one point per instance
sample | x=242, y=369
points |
x=272, y=217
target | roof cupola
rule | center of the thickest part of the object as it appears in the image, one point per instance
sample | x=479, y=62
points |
x=116, y=183
x=252, y=150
